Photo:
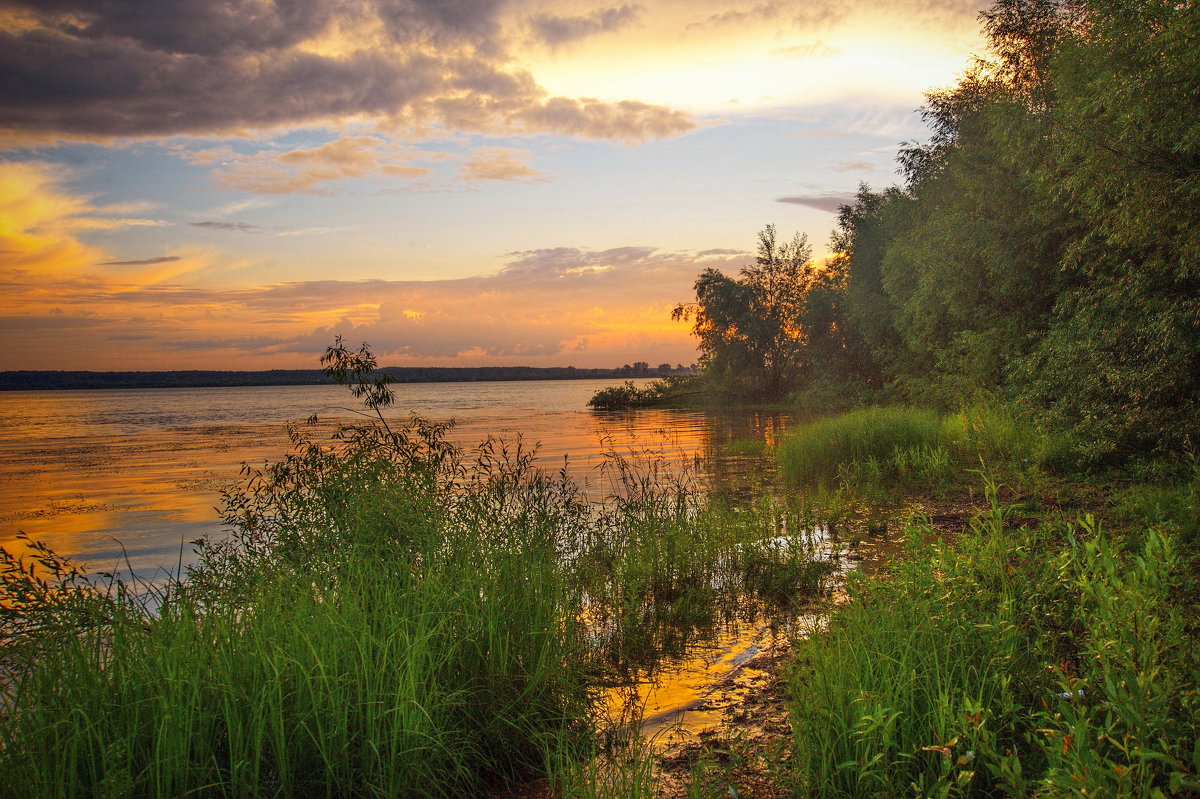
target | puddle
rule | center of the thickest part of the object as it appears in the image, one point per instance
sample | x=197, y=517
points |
x=690, y=696
x=717, y=680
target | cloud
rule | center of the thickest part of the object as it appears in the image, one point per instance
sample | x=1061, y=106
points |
x=41, y=222
x=820, y=14
x=103, y=69
x=627, y=120
x=807, y=51
x=854, y=166
x=556, y=305
x=274, y=230
x=740, y=16
x=241, y=227
x=557, y=31
x=238, y=206
x=163, y=259
x=499, y=163
x=822, y=202
x=308, y=171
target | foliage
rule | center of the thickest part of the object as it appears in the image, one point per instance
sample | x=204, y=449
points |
x=1021, y=662
x=672, y=390
x=753, y=330
x=1042, y=250
x=390, y=615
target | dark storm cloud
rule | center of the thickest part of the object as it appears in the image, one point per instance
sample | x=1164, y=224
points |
x=165, y=259
x=116, y=68
x=72, y=86
x=822, y=202
x=557, y=31
x=186, y=26
x=444, y=20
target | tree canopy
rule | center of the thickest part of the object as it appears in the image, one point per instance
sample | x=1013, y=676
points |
x=1044, y=247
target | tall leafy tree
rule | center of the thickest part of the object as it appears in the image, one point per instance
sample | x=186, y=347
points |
x=751, y=329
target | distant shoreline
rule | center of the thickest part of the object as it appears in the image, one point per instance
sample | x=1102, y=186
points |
x=29, y=380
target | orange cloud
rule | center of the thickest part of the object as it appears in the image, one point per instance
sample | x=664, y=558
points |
x=39, y=222
x=307, y=171
x=500, y=163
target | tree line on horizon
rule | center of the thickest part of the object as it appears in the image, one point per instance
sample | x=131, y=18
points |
x=43, y=380
x=1043, y=248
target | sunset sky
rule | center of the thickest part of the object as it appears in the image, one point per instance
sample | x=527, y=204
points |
x=186, y=184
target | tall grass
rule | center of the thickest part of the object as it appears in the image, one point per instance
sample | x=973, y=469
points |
x=814, y=453
x=355, y=637
x=882, y=451
x=390, y=615
x=1019, y=663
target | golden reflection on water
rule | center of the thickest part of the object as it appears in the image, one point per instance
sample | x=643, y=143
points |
x=106, y=476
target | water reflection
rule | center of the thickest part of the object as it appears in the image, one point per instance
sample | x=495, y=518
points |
x=110, y=476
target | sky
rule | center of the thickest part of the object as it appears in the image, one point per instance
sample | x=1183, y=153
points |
x=186, y=184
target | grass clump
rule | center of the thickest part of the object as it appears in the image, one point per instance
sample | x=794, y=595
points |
x=1044, y=661
x=866, y=438
x=880, y=452
x=364, y=632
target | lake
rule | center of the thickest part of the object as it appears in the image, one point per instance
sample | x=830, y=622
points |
x=125, y=479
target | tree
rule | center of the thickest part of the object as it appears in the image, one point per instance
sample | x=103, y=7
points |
x=751, y=330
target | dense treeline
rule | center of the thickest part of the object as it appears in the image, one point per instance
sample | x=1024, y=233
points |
x=1043, y=248
x=50, y=380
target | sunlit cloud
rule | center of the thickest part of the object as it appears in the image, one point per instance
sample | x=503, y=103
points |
x=499, y=163
x=162, y=259
x=556, y=31
x=809, y=50
x=548, y=306
x=197, y=67
x=309, y=170
x=40, y=223
x=256, y=127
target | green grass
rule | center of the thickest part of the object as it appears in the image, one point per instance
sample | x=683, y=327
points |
x=1021, y=662
x=358, y=637
x=879, y=453
x=390, y=616
x=815, y=452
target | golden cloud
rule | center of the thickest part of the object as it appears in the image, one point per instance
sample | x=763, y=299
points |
x=309, y=171
x=500, y=163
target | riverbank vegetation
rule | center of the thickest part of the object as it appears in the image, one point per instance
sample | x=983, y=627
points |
x=1041, y=252
x=390, y=616
x=1011, y=343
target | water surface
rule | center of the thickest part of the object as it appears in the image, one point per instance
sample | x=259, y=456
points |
x=134, y=475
